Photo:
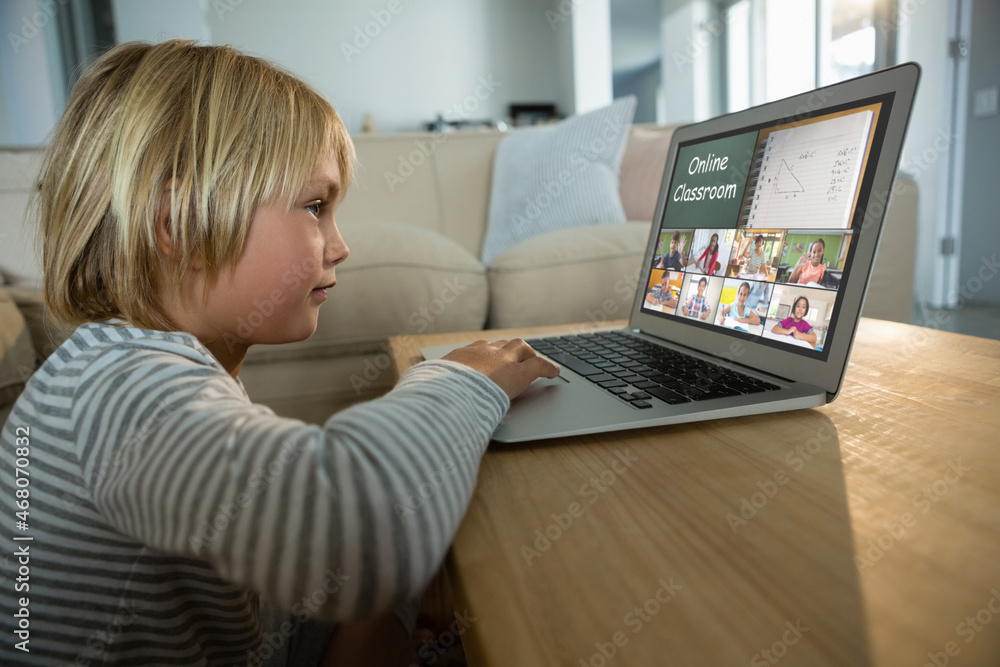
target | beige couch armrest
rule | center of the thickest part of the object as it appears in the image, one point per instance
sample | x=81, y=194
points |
x=17, y=354
x=46, y=334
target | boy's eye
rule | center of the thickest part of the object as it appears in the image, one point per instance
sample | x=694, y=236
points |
x=315, y=208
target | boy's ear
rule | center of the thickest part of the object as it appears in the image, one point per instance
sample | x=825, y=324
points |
x=164, y=225
x=164, y=230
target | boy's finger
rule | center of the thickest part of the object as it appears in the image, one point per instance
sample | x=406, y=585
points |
x=525, y=353
x=546, y=367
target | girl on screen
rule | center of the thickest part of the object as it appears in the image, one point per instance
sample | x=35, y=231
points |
x=810, y=267
x=708, y=259
x=795, y=325
x=739, y=311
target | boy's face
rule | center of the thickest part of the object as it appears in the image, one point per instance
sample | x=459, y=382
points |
x=701, y=289
x=280, y=280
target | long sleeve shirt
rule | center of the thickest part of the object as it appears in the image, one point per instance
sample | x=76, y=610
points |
x=164, y=506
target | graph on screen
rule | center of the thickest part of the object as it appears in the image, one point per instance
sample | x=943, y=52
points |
x=806, y=176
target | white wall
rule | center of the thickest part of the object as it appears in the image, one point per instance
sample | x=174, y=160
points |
x=402, y=61
x=980, y=200
x=26, y=28
x=688, y=69
x=155, y=20
x=592, y=76
x=6, y=128
x=563, y=30
x=929, y=140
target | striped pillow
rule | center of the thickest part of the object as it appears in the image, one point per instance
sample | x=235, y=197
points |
x=559, y=176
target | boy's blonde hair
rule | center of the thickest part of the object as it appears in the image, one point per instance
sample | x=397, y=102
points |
x=203, y=133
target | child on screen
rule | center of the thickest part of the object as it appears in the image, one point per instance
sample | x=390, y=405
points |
x=183, y=183
x=810, y=267
x=795, y=324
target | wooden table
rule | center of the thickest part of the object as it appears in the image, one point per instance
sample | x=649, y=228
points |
x=866, y=532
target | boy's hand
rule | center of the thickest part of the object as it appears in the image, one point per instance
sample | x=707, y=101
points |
x=512, y=364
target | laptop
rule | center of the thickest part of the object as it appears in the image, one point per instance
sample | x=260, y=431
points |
x=754, y=274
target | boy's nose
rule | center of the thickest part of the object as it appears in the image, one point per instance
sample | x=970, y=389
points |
x=336, y=248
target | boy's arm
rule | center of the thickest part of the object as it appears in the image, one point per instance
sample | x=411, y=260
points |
x=340, y=522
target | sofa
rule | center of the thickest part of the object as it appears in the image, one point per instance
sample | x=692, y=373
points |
x=414, y=219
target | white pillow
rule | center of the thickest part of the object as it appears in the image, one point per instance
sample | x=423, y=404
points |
x=558, y=176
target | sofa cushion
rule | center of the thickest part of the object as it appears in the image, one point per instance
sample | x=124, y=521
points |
x=557, y=177
x=17, y=355
x=399, y=279
x=569, y=275
x=46, y=334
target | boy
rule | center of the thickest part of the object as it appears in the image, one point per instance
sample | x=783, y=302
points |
x=172, y=520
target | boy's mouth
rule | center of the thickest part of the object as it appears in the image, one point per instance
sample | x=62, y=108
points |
x=322, y=290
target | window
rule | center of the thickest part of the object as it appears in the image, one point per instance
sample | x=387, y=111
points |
x=777, y=48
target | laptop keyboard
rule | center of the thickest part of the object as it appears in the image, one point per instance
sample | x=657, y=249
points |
x=636, y=370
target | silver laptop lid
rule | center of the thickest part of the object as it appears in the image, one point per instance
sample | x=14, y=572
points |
x=807, y=180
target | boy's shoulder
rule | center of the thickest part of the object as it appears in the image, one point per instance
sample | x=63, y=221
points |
x=116, y=340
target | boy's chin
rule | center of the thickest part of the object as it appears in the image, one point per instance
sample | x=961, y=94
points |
x=303, y=333
x=290, y=334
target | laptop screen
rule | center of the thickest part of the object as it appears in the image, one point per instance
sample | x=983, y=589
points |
x=756, y=234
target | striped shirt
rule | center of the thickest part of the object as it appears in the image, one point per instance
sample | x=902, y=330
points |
x=755, y=261
x=164, y=507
